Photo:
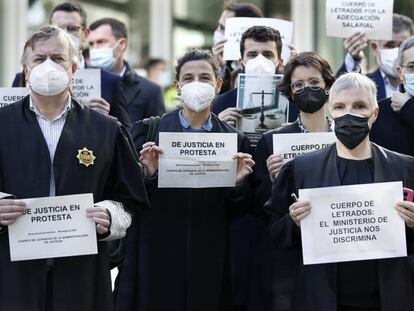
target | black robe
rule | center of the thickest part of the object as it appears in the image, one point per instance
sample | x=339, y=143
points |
x=80, y=283
x=179, y=259
x=316, y=284
x=275, y=269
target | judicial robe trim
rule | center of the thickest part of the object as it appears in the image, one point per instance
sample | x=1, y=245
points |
x=316, y=285
x=179, y=259
x=80, y=283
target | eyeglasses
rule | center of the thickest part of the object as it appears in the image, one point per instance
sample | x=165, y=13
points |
x=409, y=67
x=72, y=29
x=313, y=83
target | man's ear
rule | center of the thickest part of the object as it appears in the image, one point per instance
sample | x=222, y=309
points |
x=375, y=47
x=375, y=114
x=178, y=88
x=218, y=86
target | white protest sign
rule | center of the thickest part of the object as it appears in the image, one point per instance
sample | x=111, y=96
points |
x=86, y=84
x=236, y=26
x=290, y=145
x=9, y=95
x=373, y=17
x=197, y=160
x=356, y=222
x=53, y=227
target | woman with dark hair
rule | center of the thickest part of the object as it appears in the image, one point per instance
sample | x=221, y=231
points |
x=179, y=258
x=306, y=82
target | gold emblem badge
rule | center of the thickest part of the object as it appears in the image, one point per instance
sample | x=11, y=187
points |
x=86, y=157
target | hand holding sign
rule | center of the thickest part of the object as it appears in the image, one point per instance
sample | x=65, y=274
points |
x=230, y=115
x=149, y=156
x=217, y=50
x=100, y=105
x=10, y=210
x=244, y=166
x=355, y=45
x=299, y=210
x=101, y=217
x=406, y=211
x=274, y=163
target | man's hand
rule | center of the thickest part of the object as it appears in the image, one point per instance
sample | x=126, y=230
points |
x=398, y=100
x=218, y=50
x=230, y=115
x=10, y=210
x=101, y=217
x=355, y=44
x=100, y=105
x=149, y=156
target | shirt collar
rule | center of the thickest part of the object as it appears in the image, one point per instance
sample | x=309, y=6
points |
x=65, y=110
x=207, y=126
x=121, y=74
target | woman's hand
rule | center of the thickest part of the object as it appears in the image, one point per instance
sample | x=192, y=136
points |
x=299, y=210
x=149, y=156
x=274, y=163
x=244, y=166
x=406, y=211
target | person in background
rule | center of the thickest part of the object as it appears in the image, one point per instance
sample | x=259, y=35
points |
x=158, y=72
x=228, y=67
x=108, y=41
x=394, y=128
x=72, y=18
x=385, y=76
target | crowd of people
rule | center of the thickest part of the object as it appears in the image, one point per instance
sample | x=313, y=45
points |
x=201, y=249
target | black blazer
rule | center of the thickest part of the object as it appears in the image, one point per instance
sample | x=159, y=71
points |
x=394, y=130
x=112, y=90
x=316, y=285
x=144, y=98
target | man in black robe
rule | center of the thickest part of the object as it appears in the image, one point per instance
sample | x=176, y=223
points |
x=382, y=284
x=43, y=137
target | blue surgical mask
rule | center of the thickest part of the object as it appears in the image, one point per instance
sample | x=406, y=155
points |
x=409, y=83
x=103, y=57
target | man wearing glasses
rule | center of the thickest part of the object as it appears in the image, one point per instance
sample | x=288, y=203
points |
x=394, y=128
x=386, y=76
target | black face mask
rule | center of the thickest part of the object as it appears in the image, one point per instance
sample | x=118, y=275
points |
x=310, y=101
x=351, y=130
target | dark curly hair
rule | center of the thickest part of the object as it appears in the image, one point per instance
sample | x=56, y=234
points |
x=307, y=59
x=261, y=34
x=197, y=54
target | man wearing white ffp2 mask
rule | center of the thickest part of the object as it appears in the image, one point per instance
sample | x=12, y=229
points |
x=260, y=50
x=108, y=41
x=385, y=52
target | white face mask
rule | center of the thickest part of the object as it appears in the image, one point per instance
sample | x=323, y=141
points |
x=197, y=95
x=48, y=78
x=388, y=62
x=103, y=57
x=259, y=65
x=165, y=79
x=217, y=37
